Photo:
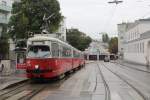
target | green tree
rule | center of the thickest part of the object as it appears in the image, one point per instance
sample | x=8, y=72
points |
x=105, y=38
x=4, y=46
x=78, y=39
x=113, y=45
x=27, y=16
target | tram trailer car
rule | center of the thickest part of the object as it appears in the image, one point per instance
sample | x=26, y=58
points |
x=49, y=57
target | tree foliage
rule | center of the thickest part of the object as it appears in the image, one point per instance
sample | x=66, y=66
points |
x=113, y=45
x=78, y=39
x=105, y=38
x=4, y=46
x=27, y=16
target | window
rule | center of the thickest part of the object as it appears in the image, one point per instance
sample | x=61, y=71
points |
x=66, y=51
x=76, y=54
x=143, y=47
x=4, y=3
x=140, y=47
x=38, y=51
x=55, y=49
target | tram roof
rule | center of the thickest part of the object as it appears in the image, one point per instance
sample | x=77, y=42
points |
x=42, y=38
x=47, y=38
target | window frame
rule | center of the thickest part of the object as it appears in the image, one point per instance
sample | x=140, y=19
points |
x=58, y=56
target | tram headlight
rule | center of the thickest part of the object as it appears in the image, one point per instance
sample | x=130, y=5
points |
x=36, y=66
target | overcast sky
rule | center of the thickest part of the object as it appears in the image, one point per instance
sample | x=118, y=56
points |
x=95, y=16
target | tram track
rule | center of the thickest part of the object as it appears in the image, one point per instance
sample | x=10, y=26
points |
x=107, y=90
x=12, y=88
x=25, y=91
x=127, y=82
x=9, y=92
x=32, y=93
x=29, y=89
x=117, y=63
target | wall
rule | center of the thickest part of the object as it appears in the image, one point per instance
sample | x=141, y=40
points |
x=7, y=67
x=136, y=55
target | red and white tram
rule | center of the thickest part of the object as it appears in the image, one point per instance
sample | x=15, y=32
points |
x=49, y=57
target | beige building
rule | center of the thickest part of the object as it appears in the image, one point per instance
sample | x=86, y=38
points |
x=136, y=41
x=5, y=9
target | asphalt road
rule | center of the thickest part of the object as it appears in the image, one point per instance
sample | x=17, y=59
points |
x=97, y=81
x=79, y=86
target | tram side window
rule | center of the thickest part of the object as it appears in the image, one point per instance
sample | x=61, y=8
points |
x=76, y=54
x=66, y=51
x=55, y=50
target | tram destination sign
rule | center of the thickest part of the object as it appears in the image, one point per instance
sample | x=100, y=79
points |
x=37, y=42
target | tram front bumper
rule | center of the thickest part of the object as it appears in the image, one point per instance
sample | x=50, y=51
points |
x=42, y=73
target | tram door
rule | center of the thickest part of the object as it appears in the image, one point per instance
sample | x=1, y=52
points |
x=21, y=60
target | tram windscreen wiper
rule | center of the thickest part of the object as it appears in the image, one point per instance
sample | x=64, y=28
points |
x=46, y=55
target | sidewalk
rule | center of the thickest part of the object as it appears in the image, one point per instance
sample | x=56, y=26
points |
x=6, y=81
x=134, y=65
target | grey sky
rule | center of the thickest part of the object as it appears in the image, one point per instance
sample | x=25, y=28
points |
x=95, y=16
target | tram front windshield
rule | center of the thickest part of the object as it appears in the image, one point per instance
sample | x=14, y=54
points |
x=38, y=51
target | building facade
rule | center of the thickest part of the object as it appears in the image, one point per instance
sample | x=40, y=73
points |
x=95, y=50
x=121, y=38
x=5, y=9
x=136, y=43
x=122, y=29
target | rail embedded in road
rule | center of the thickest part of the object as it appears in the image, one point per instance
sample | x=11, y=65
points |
x=107, y=90
x=141, y=94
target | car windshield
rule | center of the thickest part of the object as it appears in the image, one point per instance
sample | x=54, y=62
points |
x=38, y=52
